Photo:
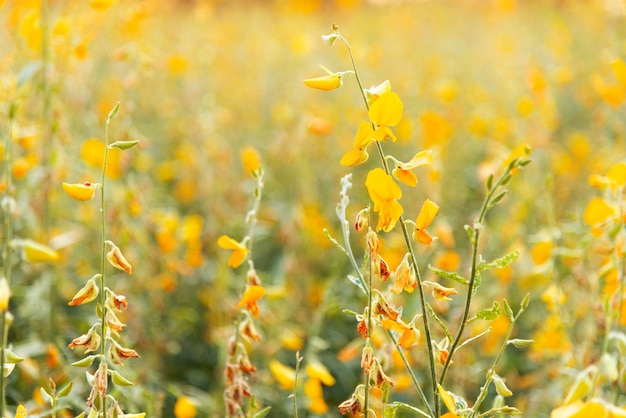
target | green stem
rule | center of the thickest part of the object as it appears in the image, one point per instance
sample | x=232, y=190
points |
x=8, y=231
x=103, y=306
x=485, y=388
x=473, y=271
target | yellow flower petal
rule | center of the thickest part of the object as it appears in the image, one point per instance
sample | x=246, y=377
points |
x=387, y=109
x=354, y=157
x=405, y=176
x=239, y=250
x=427, y=214
x=597, y=212
x=34, y=252
x=251, y=159
x=363, y=135
x=420, y=159
x=326, y=83
x=381, y=186
x=83, y=192
x=319, y=371
x=447, y=399
x=617, y=174
x=285, y=375
x=184, y=408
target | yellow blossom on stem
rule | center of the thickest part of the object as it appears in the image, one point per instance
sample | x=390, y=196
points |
x=375, y=92
x=424, y=219
x=239, y=250
x=250, y=298
x=81, y=191
x=404, y=277
x=330, y=81
x=313, y=390
x=384, y=192
x=250, y=159
x=319, y=371
x=403, y=172
x=615, y=178
x=386, y=111
x=358, y=155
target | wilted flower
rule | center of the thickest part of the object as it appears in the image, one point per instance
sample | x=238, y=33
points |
x=88, y=293
x=117, y=259
x=119, y=354
x=91, y=340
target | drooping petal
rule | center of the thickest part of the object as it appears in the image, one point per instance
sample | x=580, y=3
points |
x=387, y=109
x=354, y=157
x=597, y=211
x=420, y=159
x=405, y=176
x=285, y=375
x=317, y=370
x=381, y=186
x=363, y=135
x=83, y=192
x=325, y=83
x=427, y=214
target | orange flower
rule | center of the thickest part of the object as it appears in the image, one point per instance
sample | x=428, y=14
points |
x=384, y=192
x=239, y=250
x=403, y=172
x=424, y=219
x=250, y=298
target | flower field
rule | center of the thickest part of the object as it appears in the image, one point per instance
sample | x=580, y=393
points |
x=312, y=208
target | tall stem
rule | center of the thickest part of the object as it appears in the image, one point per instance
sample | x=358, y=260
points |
x=8, y=231
x=407, y=239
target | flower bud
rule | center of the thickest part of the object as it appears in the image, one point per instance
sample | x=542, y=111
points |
x=362, y=220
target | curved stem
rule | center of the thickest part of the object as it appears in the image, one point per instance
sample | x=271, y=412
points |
x=473, y=270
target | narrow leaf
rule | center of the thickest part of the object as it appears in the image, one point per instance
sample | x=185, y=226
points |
x=449, y=275
x=263, y=412
x=498, y=198
x=357, y=282
x=439, y=321
x=501, y=262
x=86, y=362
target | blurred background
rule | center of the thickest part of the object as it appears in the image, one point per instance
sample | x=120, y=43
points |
x=201, y=81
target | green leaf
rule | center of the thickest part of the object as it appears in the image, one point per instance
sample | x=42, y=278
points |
x=449, y=275
x=113, y=113
x=124, y=145
x=263, y=412
x=501, y=262
x=520, y=343
x=439, y=321
x=118, y=379
x=392, y=409
x=47, y=398
x=357, y=282
x=488, y=314
x=65, y=391
x=490, y=181
x=498, y=198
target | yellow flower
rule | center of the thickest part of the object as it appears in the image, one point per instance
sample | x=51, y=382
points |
x=404, y=277
x=331, y=81
x=384, y=192
x=239, y=250
x=358, y=155
x=34, y=252
x=598, y=212
x=615, y=178
x=101, y=5
x=447, y=399
x=251, y=159
x=83, y=192
x=375, y=92
x=250, y=298
x=285, y=375
x=318, y=371
x=21, y=412
x=313, y=390
x=424, y=219
x=386, y=111
x=184, y=408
